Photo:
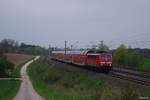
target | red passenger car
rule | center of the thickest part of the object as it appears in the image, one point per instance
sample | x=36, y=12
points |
x=93, y=58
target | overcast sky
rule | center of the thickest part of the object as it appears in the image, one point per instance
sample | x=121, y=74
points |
x=45, y=22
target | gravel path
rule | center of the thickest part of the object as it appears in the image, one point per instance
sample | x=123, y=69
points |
x=26, y=91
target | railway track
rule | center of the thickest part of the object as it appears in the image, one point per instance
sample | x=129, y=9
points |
x=133, y=76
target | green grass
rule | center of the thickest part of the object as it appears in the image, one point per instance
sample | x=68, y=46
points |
x=8, y=89
x=146, y=65
x=51, y=94
x=55, y=83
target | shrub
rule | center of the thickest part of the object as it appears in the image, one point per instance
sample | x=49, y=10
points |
x=6, y=67
x=128, y=93
x=120, y=56
x=135, y=59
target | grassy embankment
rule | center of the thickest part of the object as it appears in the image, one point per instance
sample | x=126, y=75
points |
x=58, y=84
x=54, y=82
x=9, y=88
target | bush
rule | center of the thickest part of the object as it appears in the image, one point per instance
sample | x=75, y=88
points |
x=120, y=56
x=128, y=58
x=6, y=67
x=135, y=59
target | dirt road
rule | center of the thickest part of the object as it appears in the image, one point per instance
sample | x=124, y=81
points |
x=26, y=91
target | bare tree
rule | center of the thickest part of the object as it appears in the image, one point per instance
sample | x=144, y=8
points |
x=8, y=45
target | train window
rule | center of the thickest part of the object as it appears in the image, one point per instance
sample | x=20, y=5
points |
x=92, y=56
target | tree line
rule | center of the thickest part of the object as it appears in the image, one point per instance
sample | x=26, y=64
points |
x=12, y=46
x=129, y=58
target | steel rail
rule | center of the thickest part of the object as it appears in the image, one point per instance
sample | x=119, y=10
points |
x=136, y=78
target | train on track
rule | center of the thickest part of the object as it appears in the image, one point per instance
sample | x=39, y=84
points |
x=94, y=58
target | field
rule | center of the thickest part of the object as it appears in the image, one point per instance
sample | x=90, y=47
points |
x=146, y=65
x=17, y=59
x=55, y=81
x=9, y=88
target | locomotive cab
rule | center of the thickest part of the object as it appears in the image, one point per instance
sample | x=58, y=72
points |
x=100, y=59
x=105, y=60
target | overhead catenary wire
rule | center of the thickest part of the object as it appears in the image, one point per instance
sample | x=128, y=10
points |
x=136, y=39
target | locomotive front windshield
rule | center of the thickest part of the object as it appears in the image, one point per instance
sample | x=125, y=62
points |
x=105, y=57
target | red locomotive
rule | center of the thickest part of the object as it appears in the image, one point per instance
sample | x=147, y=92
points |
x=98, y=59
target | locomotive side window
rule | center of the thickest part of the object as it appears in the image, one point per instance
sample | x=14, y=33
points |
x=109, y=57
x=105, y=57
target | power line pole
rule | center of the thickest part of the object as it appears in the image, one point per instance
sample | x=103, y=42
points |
x=71, y=47
x=49, y=49
x=65, y=46
x=102, y=44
